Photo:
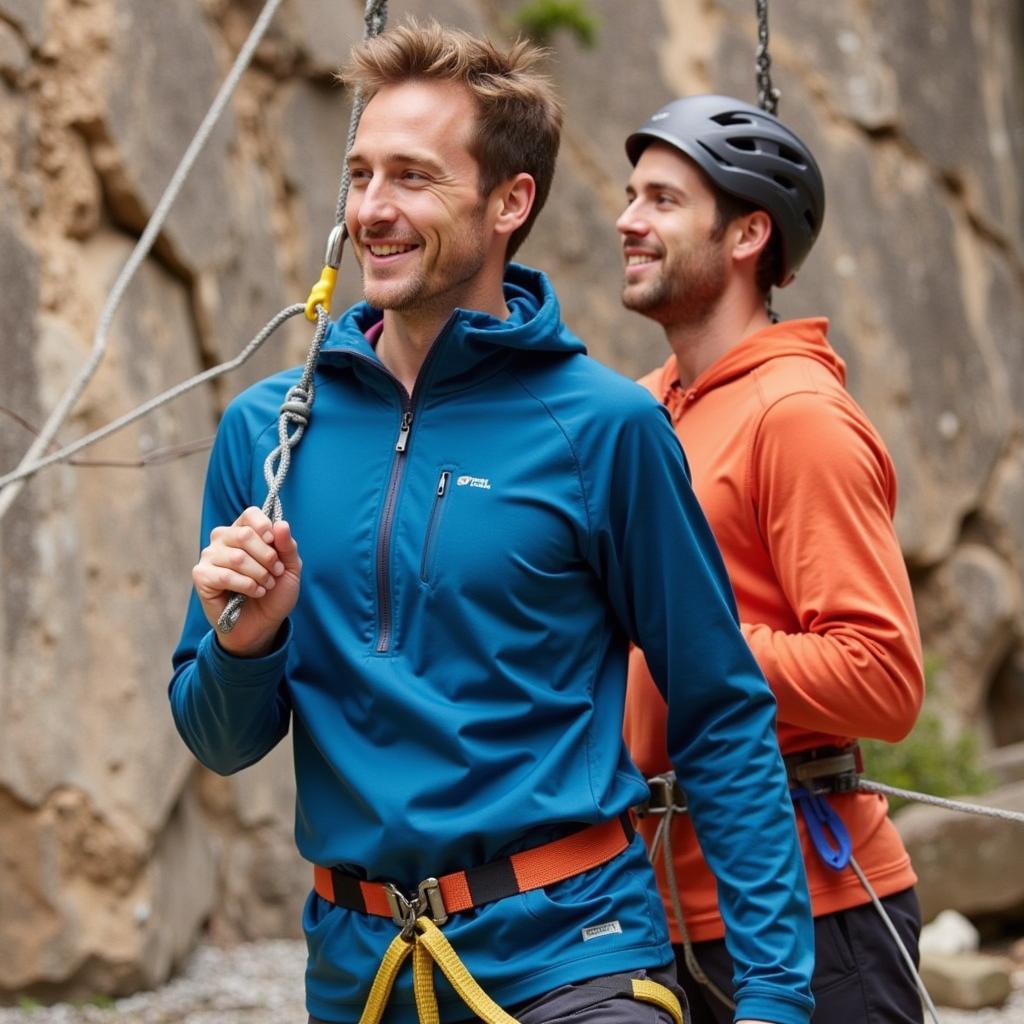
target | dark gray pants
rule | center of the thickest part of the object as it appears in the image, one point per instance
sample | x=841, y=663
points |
x=602, y=1000
x=859, y=975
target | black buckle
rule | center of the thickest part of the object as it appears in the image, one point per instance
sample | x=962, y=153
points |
x=426, y=903
x=665, y=795
x=826, y=770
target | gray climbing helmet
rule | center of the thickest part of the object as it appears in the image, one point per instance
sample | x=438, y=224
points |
x=750, y=154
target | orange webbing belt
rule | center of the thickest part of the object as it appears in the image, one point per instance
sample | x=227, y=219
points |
x=419, y=914
x=461, y=890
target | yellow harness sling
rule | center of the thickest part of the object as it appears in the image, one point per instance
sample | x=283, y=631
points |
x=420, y=915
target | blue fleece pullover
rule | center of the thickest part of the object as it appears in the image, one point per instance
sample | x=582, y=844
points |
x=454, y=671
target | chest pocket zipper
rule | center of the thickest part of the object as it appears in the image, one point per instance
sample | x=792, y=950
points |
x=430, y=540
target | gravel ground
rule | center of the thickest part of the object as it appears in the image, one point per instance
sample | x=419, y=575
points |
x=261, y=983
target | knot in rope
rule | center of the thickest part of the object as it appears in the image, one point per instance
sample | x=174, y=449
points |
x=298, y=405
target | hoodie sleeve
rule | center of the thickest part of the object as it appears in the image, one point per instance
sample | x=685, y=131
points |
x=668, y=586
x=229, y=711
x=824, y=490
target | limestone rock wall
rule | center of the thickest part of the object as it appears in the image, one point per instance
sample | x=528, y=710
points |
x=116, y=850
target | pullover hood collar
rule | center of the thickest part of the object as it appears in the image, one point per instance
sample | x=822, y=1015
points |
x=469, y=337
x=806, y=337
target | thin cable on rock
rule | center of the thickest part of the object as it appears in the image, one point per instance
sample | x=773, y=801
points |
x=11, y=484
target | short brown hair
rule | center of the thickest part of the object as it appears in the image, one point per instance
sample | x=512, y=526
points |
x=519, y=114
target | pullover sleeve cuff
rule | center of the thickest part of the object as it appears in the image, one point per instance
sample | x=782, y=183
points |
x=778, y=1009
x=230, y=670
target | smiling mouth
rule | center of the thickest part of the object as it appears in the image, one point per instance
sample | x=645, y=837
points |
x=390, y=250
x=640, y=259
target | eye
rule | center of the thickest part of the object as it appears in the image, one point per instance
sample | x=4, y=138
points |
x=415, y=177
x=665, y=199
x=359, y=175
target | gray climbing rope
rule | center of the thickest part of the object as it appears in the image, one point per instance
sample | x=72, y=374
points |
x=891, y=928
x=295, y=412
x=938, y=801
x=298, y=404
x=375, y=17
x=11, y=484
x=291, y=425
x=67, y=452
x=662, y=842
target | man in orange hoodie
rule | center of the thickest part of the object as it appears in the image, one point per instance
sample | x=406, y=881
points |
x=723, y=204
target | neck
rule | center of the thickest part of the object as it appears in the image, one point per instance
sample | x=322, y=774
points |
x=698, y=345
x=408, y=335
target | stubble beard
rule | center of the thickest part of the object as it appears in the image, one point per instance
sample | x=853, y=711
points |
x=418, y=292
x=686, y=290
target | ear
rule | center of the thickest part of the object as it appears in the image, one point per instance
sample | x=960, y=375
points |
x=512, y=201
x=750, y=234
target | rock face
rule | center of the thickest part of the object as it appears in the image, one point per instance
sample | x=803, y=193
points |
x=965, y=862
x=966, y=981
x=116, y=850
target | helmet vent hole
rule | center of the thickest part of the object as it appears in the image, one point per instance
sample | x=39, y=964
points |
x=716, y=156
x=812, y=223
x=791, y=155
x=731, y=117
x=747, y=145
x=784, y=182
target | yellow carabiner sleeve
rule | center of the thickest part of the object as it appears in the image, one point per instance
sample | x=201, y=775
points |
x=322, y=293
x=647, y=991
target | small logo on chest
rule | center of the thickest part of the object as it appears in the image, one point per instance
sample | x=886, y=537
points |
x=474, y=481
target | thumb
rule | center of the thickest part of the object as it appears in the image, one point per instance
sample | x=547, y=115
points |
x=287, y=549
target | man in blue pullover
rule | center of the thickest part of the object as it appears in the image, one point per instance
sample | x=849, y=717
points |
x=487, y=519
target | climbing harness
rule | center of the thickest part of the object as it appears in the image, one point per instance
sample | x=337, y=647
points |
x=813, y=774
x=420, y=913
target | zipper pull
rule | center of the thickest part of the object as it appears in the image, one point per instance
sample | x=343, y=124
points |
x=403, y=431
x=442, y=484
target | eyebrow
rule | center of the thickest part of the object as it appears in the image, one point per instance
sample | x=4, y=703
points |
x=420, y=159
x=663, y=186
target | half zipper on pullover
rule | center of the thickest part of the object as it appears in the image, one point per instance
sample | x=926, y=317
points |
x=386, y=523
x=409, y=402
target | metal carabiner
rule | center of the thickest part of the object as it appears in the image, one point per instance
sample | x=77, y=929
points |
x=403, y=910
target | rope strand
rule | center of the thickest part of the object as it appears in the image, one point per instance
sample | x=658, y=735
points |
x=11, y=484
x=298, y=404
x=65, y=453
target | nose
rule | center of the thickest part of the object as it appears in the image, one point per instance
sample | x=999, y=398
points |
x=370, y=204
x=630, y=222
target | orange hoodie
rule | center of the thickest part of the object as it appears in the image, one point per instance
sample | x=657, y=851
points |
x=800, y=492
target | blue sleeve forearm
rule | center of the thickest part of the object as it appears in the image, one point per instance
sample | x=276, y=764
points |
x=229, y=711
x=670, y=589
